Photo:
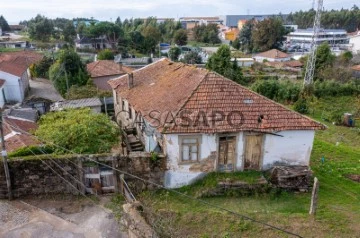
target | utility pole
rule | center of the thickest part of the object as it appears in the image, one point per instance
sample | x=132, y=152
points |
x=4, y=157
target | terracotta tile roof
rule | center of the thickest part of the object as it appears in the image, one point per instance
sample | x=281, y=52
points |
x=274, y=54
x=356, y=67
x=106, y=67
x=21, y=57
x=17, y=138
x=16, y=63
x=293, y=64
x=245, y=109
x=162, y=86
x=12, y=68
x=165, y=86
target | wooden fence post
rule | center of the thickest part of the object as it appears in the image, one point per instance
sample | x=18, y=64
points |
x=115, y=165
x=314, y=197
x=81, y=175
x=122, y=184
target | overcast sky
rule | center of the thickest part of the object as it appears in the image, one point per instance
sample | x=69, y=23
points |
x=14, y=11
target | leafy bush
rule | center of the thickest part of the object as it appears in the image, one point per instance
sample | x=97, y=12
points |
x=333, y=88
x=289, y=91
x=41, y=69
x=174, y=53
x=81, y=131
x=279, y=91
x=68, y=70
x=31, y=150
x=106, y=55
x=301, y=105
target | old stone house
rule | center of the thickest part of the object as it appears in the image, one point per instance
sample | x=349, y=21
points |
x=204, y=122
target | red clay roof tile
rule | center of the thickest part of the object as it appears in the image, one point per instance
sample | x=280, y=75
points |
x=274, y=54
x=166, y=87
x=106, y=68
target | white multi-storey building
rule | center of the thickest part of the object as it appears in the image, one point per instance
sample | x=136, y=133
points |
x=303, y=37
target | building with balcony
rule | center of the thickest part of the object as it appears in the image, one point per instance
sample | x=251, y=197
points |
x=303, y=37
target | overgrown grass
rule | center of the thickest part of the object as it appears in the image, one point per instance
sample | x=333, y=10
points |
x=338, y=213
x=115, y=205
x=5, y=50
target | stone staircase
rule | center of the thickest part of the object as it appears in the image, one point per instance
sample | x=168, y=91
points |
x=132, y=141
x=135, y=143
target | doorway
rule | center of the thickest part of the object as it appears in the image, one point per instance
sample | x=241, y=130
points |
x=253, y=152
x=227, y=146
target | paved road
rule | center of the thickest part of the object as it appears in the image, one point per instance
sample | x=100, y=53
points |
x=18, y=219
x=43, y=88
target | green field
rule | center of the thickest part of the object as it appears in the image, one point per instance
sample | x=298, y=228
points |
x=338, y=213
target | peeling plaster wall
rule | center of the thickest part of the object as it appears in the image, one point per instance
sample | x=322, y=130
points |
x=240, y=149
x=179, y=174
x=292, y=149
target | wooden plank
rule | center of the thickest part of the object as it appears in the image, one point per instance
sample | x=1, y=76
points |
x=253, y=150
x=314, y=197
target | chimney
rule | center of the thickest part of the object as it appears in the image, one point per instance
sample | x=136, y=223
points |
x=130, y=80
x=276, y=54
x=120, y=66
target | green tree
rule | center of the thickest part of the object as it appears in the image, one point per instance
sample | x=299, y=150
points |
x=192, y=58
x=207, y=34
x=236, y=44
x=152, y=37
x=174, y=53
x=4, y=24
x=245, y=36
x=180, y=37
x=112, y=32
x=41, y=28
x=80, y=131
x=268, y=34
x=324, y=60
x=348, y=19
x=220, y=62
x=69, y=33
x=68, y=70
x=105, y=55
x=41, y=68
x=346, y=57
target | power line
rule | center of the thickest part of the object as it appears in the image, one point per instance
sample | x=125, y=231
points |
x=68, y=181
x=179, y=193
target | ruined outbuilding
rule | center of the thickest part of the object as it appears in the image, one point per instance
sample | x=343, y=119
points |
x=205, y=122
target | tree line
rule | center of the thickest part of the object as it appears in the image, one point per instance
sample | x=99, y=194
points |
x=348, y=19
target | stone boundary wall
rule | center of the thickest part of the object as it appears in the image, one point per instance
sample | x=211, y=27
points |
x=135, y=223
x=41, y=174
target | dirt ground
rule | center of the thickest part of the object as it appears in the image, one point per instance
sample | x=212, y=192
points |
x=58, y=216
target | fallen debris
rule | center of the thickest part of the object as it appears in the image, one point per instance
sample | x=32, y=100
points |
x=353, y=177
x=291, y=177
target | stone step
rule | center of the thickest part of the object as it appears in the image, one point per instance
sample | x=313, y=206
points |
x=140, y=148
x=135, y=143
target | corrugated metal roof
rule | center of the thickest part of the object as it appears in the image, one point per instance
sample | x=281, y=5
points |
x=78, y=103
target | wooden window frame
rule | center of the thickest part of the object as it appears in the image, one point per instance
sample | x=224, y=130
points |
x=130, y=112
x=181, y=144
